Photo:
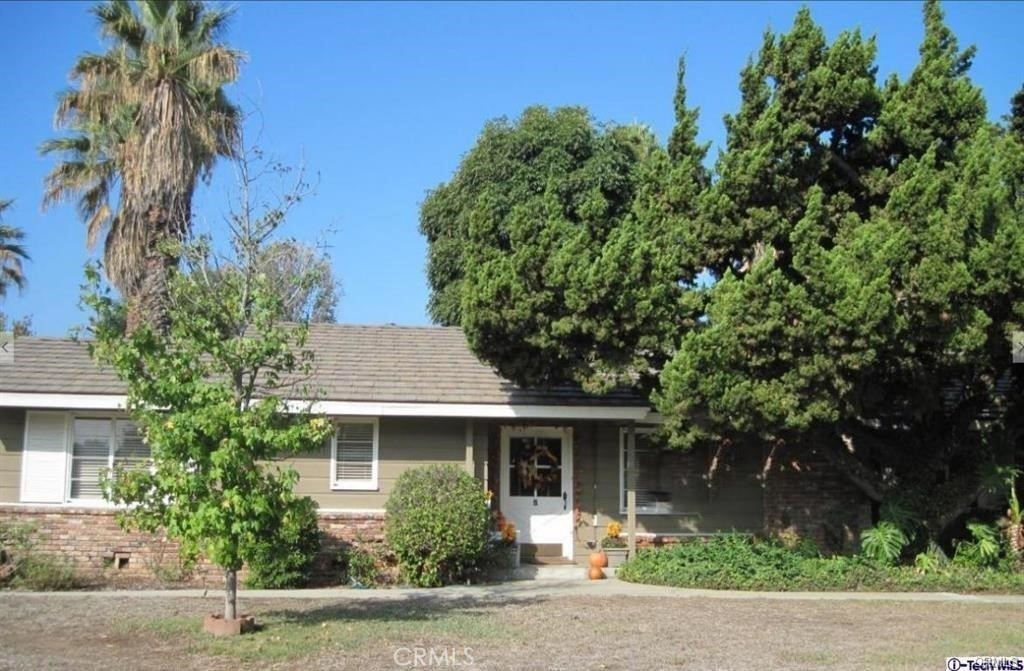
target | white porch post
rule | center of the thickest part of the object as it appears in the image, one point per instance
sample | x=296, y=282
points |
x=470, y=465
x=631, y=487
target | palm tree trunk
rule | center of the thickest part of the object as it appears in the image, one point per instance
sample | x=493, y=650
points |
x=149, y=304
x=168, y=227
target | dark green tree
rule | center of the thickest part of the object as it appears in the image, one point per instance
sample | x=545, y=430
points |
x=1016, y=119
x=561, y=246
x=870, y=254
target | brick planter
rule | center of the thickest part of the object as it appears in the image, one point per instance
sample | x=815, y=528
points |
x=218, y=626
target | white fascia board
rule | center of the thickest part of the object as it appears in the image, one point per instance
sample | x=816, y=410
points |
x=476, y=410
x=17, y=399
x=361, y=408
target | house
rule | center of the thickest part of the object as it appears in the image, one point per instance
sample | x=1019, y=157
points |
x=555, y=459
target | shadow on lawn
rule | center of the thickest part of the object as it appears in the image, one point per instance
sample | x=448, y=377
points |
x=418, y=607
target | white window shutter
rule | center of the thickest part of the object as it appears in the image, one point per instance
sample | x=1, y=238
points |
x=44, y=461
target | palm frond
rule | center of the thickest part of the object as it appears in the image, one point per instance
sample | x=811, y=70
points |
x=148, y=117
x=12, y=253
x=120, y=23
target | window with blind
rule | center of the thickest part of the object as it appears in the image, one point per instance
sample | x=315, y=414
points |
x=354, y=454
x=667, y=481
x=99, y=445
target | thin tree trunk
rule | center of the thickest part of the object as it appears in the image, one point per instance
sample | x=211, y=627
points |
x=230, y=594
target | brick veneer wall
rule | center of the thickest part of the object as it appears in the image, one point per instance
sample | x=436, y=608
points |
x=103, y=553
x=804, y=493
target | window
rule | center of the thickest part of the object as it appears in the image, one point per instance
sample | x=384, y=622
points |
x=354, y=454
x=97, y=446
x=535, y=466
x=667, y=481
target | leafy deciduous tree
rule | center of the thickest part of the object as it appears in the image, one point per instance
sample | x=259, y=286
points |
x=215, y=397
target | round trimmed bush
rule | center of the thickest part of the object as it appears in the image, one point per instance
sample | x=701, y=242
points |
x=437, y=524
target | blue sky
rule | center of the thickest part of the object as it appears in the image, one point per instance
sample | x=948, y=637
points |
x=382, y=100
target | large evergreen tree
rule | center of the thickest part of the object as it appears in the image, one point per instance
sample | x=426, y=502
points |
x=867, y=247
x=868, y=287
x=1016, y=118
x=560, y=246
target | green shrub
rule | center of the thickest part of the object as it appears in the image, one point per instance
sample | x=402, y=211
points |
x=15, y=545
x=883, y=542
x=982, y=550
x=45, y=573
x=931, y=560
x=278, y=565
x=437, y=524
x=361, y=566
x=745, y=563
x=21, y=567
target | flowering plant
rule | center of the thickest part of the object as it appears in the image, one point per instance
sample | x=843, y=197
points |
x=613, y=536
x=508, y=533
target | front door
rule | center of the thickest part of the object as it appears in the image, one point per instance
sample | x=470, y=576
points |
x=536, y=484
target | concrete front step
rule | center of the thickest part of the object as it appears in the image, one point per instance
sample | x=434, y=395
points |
x=553, y=572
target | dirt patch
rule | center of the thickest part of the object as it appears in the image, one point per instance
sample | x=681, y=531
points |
x=502, y=632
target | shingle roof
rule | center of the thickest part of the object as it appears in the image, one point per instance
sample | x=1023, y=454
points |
x=353, y=363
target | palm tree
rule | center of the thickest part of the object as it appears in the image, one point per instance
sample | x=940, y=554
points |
x=12, y=253
x=148, y=118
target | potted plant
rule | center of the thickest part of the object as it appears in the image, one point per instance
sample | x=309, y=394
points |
x=614, y=545
x=510, y=541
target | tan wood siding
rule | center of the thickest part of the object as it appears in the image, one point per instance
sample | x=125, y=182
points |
x=405, y=442
x=12, y=435
x=733, y=502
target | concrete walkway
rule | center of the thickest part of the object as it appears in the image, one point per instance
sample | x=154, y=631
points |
x=530, y=589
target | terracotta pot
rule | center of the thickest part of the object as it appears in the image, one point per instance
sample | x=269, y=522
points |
x=598, y=559
x=595, y=573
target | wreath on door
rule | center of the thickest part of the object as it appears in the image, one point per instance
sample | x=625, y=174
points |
x=527, y=466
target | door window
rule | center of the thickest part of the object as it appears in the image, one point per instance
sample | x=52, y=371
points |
x=535, y=467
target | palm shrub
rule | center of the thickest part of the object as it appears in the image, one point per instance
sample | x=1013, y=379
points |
x=437, y=524
x=982, y=550
x=883, y=542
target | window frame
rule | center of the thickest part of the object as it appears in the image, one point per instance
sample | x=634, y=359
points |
x=111, y=452
x=371, y=485
x=623, y=433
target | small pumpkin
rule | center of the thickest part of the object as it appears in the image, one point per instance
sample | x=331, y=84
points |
x=595, y=573
x=598, y=559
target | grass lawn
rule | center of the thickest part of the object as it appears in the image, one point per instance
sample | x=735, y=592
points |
x=565, y=631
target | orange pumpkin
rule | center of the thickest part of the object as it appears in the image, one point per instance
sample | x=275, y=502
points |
x=595, y=573
x=598, y=559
